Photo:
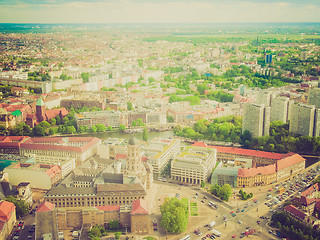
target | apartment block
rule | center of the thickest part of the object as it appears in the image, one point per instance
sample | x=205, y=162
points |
x=256, y=119
x=279, y=109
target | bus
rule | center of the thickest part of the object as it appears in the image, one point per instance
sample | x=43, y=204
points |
x=215, y=232
x=186, y=238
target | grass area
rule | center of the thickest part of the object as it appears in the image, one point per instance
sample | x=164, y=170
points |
x=194, y=213
x=193, y=209
x=185, y=201
x=193, y=204
x=149, y=238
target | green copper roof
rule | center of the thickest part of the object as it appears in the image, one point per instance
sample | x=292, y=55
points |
x=16, y=113
x=40, y=102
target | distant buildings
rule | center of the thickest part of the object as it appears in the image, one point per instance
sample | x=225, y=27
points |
x=256, y=119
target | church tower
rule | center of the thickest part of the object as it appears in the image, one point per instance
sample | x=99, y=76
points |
x=40, y=110
x=133, y=159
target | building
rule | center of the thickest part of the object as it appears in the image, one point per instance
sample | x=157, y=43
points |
x=256, y=119
x=159, y=152
x=268, y=58
x=11, y=144
x=305, y=120
x=254, y=168
x=135, y=216
x=279, y=109
x=7, y=218
x=46, y=222
x=193, y=165
x=42, y=114
x=40, y=176
x=79, y=148
x=264, y=97
x=25, y=193
x=314, y=97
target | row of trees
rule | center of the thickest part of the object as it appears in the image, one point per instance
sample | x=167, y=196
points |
x=292, y=228
x=96, y=232
x=219, y=129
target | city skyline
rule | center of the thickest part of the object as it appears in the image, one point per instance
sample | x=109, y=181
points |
x=158, y=11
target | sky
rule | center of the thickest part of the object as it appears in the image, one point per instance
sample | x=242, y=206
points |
x=158, y=11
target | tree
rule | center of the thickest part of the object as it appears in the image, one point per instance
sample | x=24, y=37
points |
x=140, y=122
x=58, y=120
x=114, y=225
x=22, y=208
x=134, y=123
x=174, y=215
x=122, y=127
x=101, y=127
x=2, y=129
x=38, y=130
x=93, y=128
x=53, y=121
x=129, y=106
x=145, y=134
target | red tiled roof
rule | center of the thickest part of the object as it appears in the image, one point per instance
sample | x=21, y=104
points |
x=294, y=211
x=55, y=112
x=45, y=207
x=55, y=144
x=121, y=156
x=110, y=208
x=6, y=209
x=288, y=160
x=251, y=172
x=310, y=190
x=139, y=206
x=241, y=151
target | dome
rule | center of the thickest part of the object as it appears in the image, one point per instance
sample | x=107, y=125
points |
x=133, y=141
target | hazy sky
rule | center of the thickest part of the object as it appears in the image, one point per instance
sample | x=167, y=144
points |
x=158, y=11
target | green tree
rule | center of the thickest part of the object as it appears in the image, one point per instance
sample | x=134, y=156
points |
x=134, y=123
x=109, y=128
x=101, y=127
x=22, y=208
x=117, y=235
x=38, y=131
x=129, y=106
x=2, y=129
x=114, y=225
x=145, y=134
x=140, y=122
x=122, y=127
x=63, y=76
x=85, y=77
x=93, y=128
x=53, y=121
x=58, y=120
x=174, y=215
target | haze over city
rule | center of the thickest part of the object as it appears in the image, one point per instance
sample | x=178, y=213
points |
x=158, y=11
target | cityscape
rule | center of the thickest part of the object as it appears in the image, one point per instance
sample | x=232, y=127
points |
x=157, y=120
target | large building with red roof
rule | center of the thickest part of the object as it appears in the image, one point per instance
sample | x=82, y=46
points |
x=79, y=148
x=11, y=144
x=7, y=218
x=266, y=167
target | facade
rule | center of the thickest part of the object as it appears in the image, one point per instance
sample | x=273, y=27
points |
x=256, y=119
x=11, y=144
x=79, y=148
x=79, y=103
x=224, y=175
x=193, y=165
x=279, y=109
x=46, y=222
x=134, y=216
x=159, y=152
x=40, y=176
x=7, y=218
x=314, y=97
x=304, y=120
x=290, y=165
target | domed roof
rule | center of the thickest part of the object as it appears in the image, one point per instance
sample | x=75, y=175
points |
x=133, y=141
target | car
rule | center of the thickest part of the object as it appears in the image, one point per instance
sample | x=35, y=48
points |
x=234, y=236
x=242, y=210
x=202, y=201
x=239, y=222
x=258, y=222
x=30, y=237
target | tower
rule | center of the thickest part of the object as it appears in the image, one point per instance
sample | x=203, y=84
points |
x=133, y=160
x=40, y=110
